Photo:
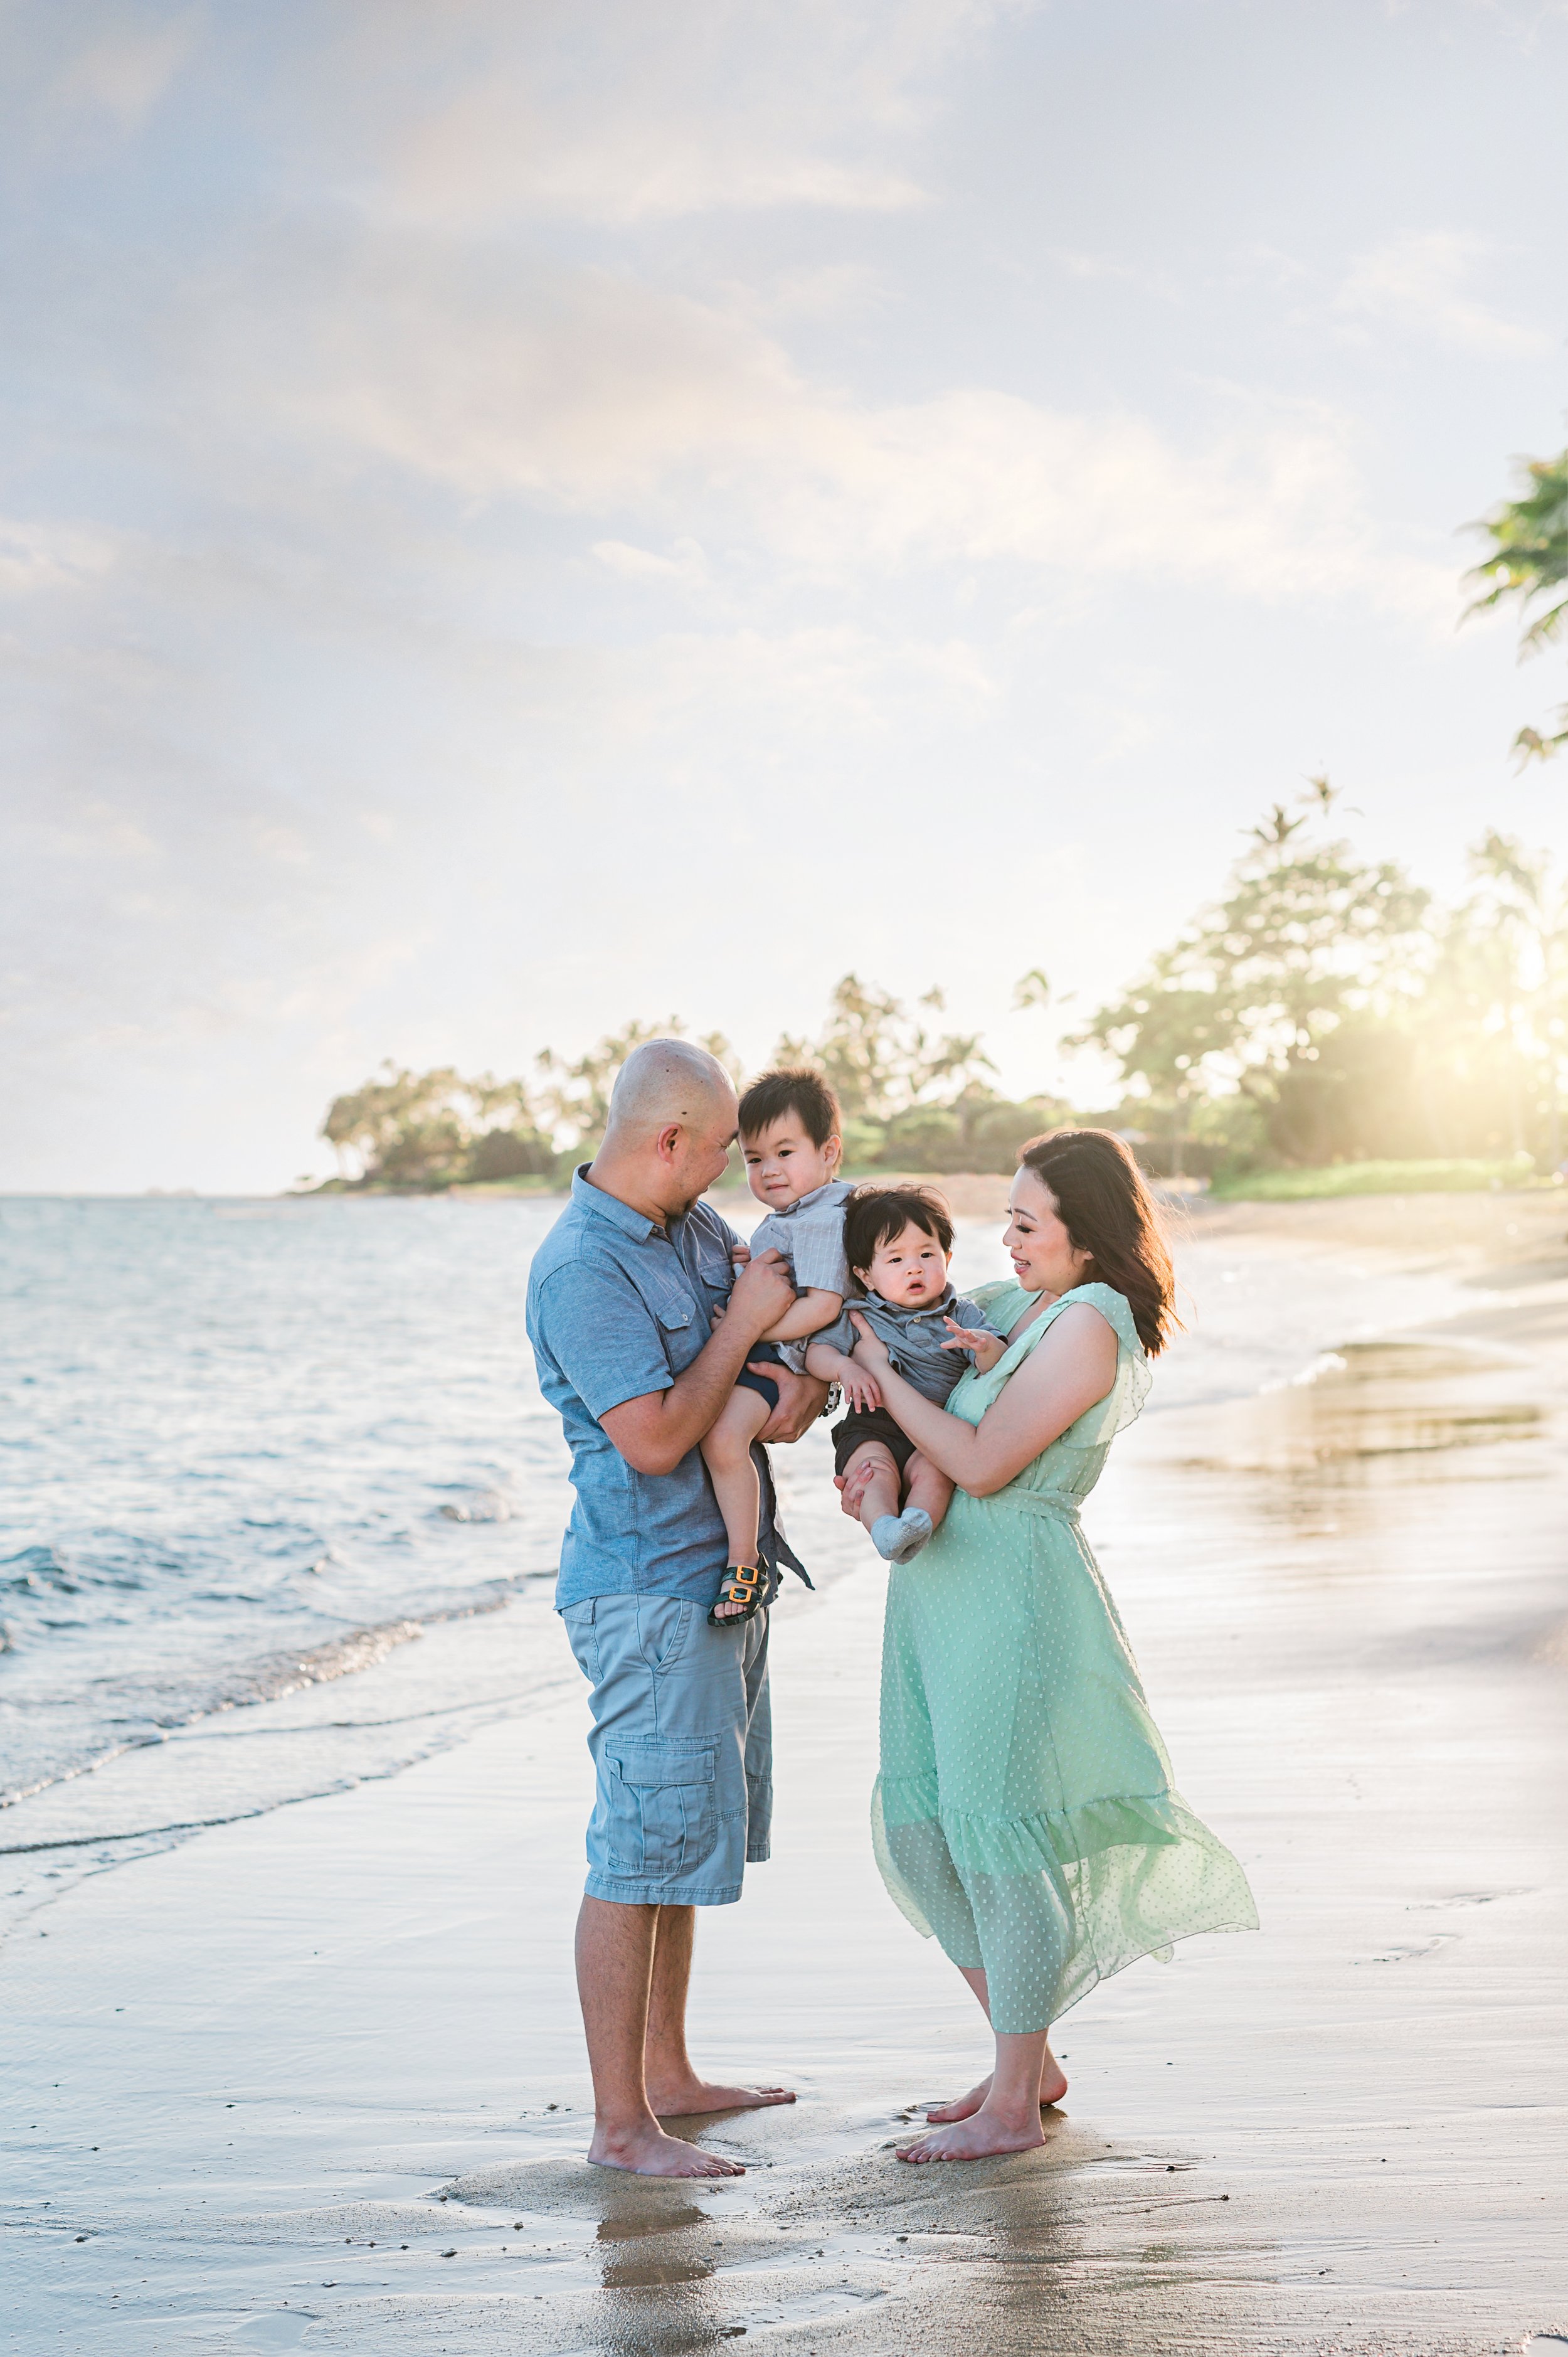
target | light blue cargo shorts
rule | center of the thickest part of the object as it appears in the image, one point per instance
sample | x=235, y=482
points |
x=682, y=1741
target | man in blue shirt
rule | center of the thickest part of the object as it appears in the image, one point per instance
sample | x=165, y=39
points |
x=621, y=1312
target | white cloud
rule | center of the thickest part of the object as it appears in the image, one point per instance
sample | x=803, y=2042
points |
x=614, y=111
x=76, y=80
x=686, y=562
x=41, y=556
x=1421, y=282
x=122, y=72
x=1107, y=268
x=593, y=393
x=91, y=830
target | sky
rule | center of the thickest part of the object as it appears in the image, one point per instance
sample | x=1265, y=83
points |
x=515, y=518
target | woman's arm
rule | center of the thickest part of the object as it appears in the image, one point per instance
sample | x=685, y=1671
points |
x=1069, y=1370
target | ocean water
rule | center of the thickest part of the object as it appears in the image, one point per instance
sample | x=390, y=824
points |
x=279, y=1501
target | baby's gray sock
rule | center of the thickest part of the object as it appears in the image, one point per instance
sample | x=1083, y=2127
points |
x=897, y=1538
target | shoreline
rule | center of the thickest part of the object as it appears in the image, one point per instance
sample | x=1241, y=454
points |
x=258, y=2060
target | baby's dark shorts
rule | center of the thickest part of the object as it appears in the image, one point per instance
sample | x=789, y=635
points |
x=870, y=1423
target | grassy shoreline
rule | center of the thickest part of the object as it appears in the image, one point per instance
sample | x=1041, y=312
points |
x=1343, y=1178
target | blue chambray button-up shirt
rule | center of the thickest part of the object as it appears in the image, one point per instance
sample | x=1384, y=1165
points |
x=619, y=1306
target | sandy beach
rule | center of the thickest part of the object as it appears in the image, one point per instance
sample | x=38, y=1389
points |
x=314, y=2079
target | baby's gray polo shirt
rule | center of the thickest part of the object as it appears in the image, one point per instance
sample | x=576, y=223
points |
x=914, y=1337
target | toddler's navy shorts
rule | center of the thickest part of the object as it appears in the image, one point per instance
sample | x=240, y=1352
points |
x=747, y=1381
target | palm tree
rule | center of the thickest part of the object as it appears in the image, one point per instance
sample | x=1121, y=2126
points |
x=1529, y=561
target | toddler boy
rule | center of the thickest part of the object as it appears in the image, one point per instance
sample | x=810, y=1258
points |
x=789, y=1128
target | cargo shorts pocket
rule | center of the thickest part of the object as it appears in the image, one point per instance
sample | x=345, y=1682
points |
x=660, y=1797
x=578, y=1620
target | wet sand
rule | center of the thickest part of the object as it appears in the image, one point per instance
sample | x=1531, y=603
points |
x=316, y=2080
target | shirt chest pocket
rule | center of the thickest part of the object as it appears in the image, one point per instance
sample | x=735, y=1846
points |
x=681, y=1323
x=716, y=1270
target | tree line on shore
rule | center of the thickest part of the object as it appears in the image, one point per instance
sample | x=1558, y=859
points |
x=1324, y=1008
x=912, y=1098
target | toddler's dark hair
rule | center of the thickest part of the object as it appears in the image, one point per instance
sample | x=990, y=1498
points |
x=796, y=1089
x=875, y=1215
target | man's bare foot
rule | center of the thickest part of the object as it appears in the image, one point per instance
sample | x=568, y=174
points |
x=1053, y=2087
x=970, y=2139
x=683, y=2099
x=648, y=2152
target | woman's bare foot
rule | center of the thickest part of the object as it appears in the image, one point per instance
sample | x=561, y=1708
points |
x=1053, y=2087
x=970, y=2139
x=963, y=2108
x=683, y=2099
x=648, y=2152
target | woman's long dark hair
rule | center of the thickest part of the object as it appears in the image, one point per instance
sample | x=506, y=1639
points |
x=1108, y=1213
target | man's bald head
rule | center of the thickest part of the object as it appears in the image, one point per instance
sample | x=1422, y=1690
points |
x=666, y=1081
x=672, y=1117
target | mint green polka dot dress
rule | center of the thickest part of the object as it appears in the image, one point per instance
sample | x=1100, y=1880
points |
x=1023, y=1813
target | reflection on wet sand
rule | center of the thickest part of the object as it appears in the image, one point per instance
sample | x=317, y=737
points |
x=625, y=2225
x=1370, y=1399
x=1016, y=2254
x=654, y=2262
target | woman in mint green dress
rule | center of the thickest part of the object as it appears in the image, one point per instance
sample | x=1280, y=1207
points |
x=1023, y=1813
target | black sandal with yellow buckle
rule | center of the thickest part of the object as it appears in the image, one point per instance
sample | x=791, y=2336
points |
x=745, y=1584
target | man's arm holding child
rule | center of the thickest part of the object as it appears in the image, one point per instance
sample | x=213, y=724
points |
x=654, y=1431
x=801, y=1399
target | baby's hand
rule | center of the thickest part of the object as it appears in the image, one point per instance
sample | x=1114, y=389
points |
x=860, y=1389
x=984, y=1349
x=740, y=1253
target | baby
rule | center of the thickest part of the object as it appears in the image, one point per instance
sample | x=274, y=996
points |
x=789, y=1136
x=898, y=1242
